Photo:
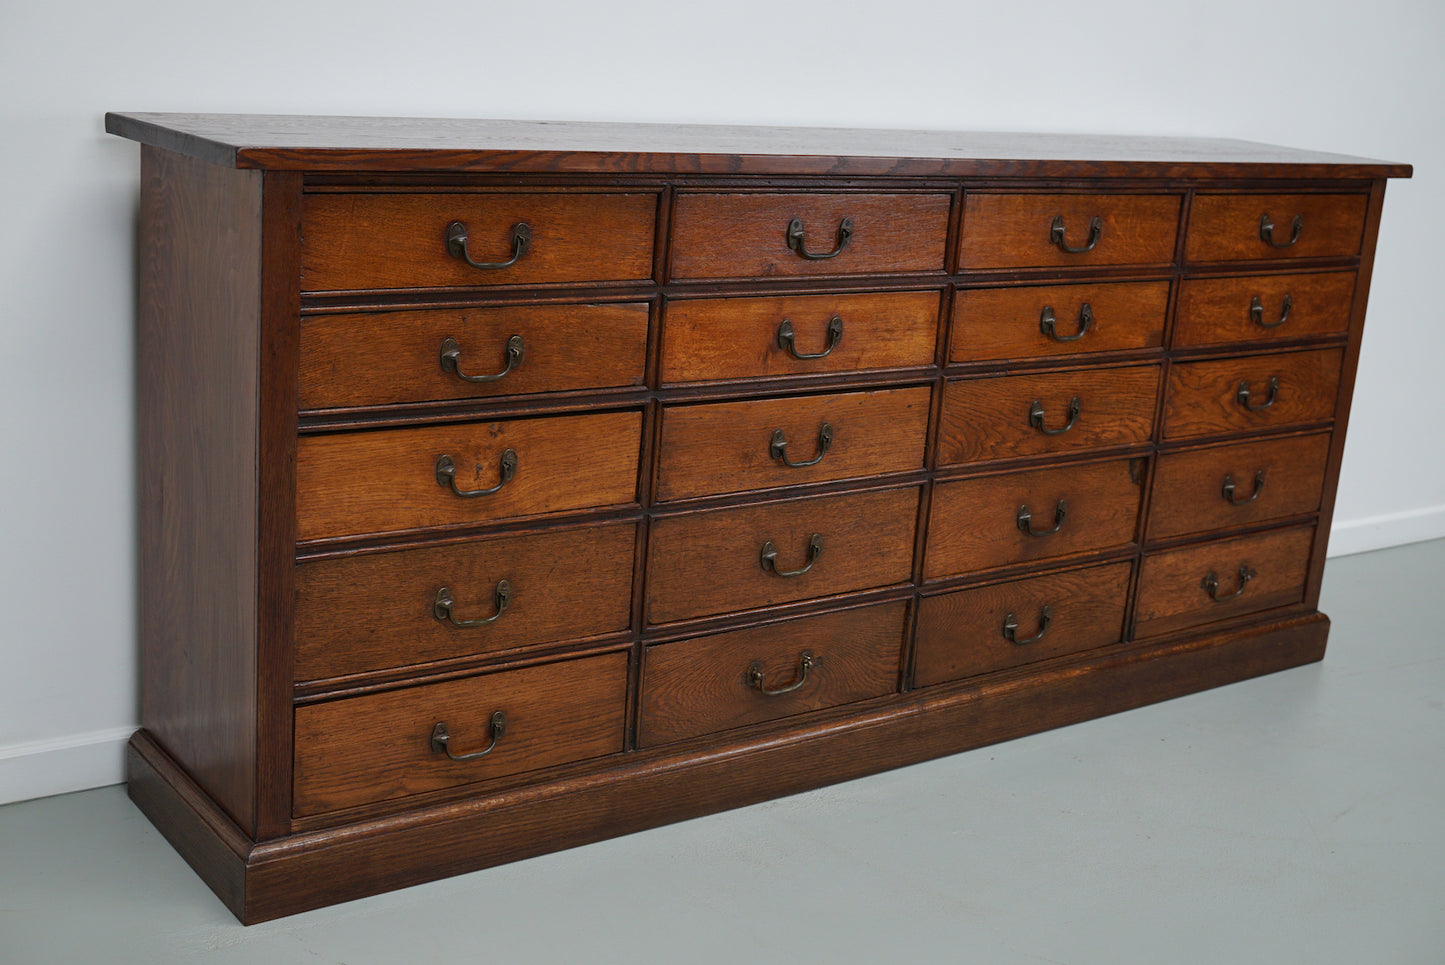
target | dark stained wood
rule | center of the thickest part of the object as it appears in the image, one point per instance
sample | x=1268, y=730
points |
x=354, y=484
x=698, y=686
x=726, y=447
x=974, y=524
x=1226, y=227
x=383, y=358
x=746, y=235
x=1006, y=323
x=737, y=338
x=988, y=418
x=961, y=634
x=1217, y=311
x=710, y=562
x=1203, y=397
x=397, y=241
x=1013, y=230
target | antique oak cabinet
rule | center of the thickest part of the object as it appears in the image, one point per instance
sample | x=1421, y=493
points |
x=506, y=486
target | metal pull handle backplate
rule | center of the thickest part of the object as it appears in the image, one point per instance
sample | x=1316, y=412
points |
x=451, y=359
x=787, y=344
x=755, y=677
x=778, y=447
x=769, y=557
x=446, y=470
x=795, y=240
x=457, y=245
x=442, y=605
x=441, y=738
x=1056, y=235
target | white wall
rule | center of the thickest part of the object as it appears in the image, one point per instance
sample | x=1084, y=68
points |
x=1322, y=74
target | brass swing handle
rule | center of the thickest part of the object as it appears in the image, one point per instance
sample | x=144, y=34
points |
x=795, y=240
x=1047, y=323
x=451, y=359
x=1256, y=312
x=786, y=336
x=442, y=606
x=1266, y=231
x=1036, y=417
x=457, y=245
x=447, y=475
x=778, y=447
x=1210, y=584
x=1233, y=500
x=1025, y=519
x=806, y=662
x=769, y=557
x=441, y=738
x=1242, y=395
x=1011, y=627
x=1056, y=235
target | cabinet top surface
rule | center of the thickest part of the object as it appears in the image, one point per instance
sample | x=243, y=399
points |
x=296, y=142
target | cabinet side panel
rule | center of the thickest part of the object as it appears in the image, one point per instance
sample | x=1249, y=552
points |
x=200, y=244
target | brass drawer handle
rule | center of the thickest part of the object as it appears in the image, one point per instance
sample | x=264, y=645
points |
x=1047, y=322
x=1036, y=417
x=1256, y=312
x=1236, y=501
x=1056, y=235
x=1025, y=520
x=1266, y=231
x=447, y=475
x=795, y=240
x=451, y=359
x=1210, y=584
x=755, y=677
x=769, y=557
x=785, y=339
x=1011, y=628
x=457, y=245
x=1242, y=395
x=443, y=603
x=778, y=447
x=441, y=738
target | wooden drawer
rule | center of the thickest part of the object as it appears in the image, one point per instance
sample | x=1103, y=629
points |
x=713, y=339
x=1257, y=392
x=712, y=562
x=1022, y=230
x=733, y=446
x=1219, y=311
x=1178, y=588
x=374, y=611
x=1262, y=227
x=991, y=521
x=1043, y=320
x=395, y=357
x=358, y=483
x=380, y=746
x=1010, y=624
x=1027, y=415
x=389, y=241
x=847, y=233
x=1205, y=489
x=713, y=683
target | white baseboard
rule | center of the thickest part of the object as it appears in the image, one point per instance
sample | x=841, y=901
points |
x=1349, y=536
x=62, y=764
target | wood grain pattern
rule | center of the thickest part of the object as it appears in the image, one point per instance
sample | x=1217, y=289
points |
x=397, y=241
x=709, y=562
x=1226, y=227
x=726, y=446
x=698, y=686
x=377, y=747
x=1188, y=495
x=1202, y=398
x=961, y=634
x=745, y=235
x=1004, y=323
x=1009, y=230
x=974, y=522
x=374, y=611
x=737, y=338
x=988, y=418
x=1217, y=311
x=360, y=483
x=384, y=358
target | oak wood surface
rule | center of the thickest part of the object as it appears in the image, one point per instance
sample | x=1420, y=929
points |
x=1226, y=227
x=1218, y=311
x=1006, y=323
x=1203, y=397
x=1007, y=230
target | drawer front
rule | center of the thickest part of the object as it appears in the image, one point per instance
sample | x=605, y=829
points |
x=1206, y=489
x=766, y=443
x=1029, y=415
x=708, y=684
x=714, y=339
x=389, y=241
x=1244, y=394
x=762, y=235
x=1264, y=227
x=1006, y=625
x=379, y=747
x=1219, y=311
x=712, y=562
x=1037, y=230
x=1199, y=584
x=396, y=357
x=358, y=483
x=380, y=610
x=1044, y=320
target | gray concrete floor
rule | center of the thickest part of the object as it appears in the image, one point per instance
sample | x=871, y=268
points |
x=1294, y=818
